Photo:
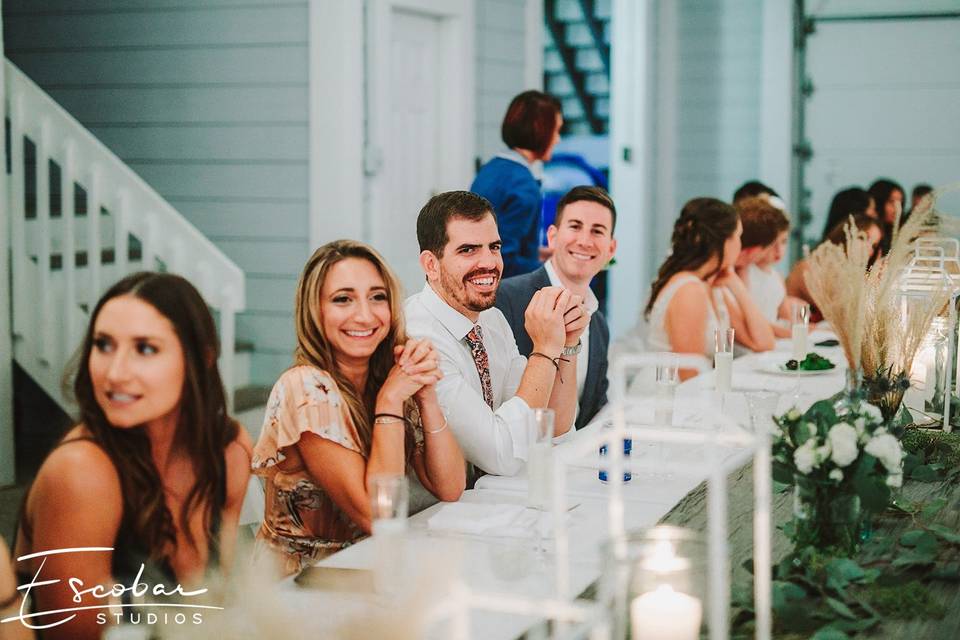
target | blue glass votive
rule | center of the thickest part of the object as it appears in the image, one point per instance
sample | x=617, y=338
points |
x=627, y=448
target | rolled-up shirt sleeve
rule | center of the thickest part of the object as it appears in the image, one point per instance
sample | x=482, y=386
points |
x=495, y=441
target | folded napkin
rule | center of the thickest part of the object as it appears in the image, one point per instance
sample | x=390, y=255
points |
x=473, y=518
x=505, y=520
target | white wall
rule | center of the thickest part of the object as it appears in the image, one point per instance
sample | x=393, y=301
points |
x=207, y=101
x=506, y=64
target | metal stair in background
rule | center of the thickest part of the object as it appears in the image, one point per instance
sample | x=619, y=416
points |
x=577, y=62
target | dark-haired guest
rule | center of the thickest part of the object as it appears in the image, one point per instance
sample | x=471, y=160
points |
x=753, y=189
x=764, y=243
x=582, y=241
x=510, y=181
x=359, y=401
x=852, y=201
x=917, y=196
x=697, y=289
x=155, y=471
x=796, y=281
x=889, y=197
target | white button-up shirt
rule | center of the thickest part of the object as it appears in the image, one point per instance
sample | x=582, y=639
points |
x=495, y=440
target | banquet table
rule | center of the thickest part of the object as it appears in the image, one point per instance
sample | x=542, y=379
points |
x=510, y=564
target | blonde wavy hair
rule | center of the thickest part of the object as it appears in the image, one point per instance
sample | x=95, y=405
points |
x=313, y=347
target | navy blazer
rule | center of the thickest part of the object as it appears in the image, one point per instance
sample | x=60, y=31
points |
x=514, y=295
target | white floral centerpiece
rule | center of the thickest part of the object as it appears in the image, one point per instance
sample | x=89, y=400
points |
x=842, y=468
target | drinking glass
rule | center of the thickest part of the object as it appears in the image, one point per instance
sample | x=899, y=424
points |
x=800, y=325
x=723, y=359
x=389, y=502
x=666, y=389
x=539, y=458
x=762, y=406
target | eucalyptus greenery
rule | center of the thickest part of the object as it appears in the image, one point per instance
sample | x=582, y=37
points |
x=825, y=596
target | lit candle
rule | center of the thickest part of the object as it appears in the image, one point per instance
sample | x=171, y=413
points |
x=664, y=614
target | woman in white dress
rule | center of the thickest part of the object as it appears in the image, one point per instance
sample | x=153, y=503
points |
x=697, y=290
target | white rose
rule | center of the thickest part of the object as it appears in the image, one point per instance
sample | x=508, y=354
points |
x=887, y=450
x=843, y=444
x=823, y=453
x=871, y=412
x=895, y=480
x=805, y=457
x=837, y=475
x=861, y=426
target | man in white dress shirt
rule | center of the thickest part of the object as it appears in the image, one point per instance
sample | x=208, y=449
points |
x=489, y=390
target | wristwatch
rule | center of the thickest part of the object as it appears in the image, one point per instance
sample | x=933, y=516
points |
x=574, y=350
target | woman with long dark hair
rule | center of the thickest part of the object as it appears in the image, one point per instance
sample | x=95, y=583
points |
x=889, y=196
x=359, y=401
x=697, y=290
x=852, y=201
x=154, y=472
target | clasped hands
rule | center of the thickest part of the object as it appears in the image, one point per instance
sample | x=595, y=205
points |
x=415, y=372
x=555, y=318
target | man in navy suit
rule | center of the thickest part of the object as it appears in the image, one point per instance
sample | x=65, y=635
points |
x=582, y=242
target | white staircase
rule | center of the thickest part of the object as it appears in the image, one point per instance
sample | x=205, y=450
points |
x=80, y=219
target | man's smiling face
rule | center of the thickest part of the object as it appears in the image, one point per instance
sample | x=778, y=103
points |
x=468, y=272
x=583, y=241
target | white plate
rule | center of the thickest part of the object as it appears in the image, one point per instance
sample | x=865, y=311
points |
x=778, y=366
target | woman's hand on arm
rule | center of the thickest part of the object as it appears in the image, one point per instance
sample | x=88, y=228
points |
x=76, y=501
x=441, y=467
x=753, y=330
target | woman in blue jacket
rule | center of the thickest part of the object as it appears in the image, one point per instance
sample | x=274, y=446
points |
x=531, y=129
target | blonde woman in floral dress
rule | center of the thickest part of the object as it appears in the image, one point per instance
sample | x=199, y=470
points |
x=359, y=401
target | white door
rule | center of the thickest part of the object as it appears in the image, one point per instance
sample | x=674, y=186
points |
x=420, y=119
x=884, y=105
x=411, y=153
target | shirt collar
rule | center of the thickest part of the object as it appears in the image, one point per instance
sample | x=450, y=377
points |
x=590, y=303
x=452, y=320
x=535, y=167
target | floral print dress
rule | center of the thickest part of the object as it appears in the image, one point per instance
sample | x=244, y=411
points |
x=301, y=523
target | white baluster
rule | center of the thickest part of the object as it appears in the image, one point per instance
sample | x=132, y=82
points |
x=148, y=243
x=227, y=345
x=18, y=233
x=121, y=234
x=46, y=318
x=93, y=237
x=71, y=317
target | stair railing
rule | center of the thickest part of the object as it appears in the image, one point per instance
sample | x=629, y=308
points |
x=81, y=219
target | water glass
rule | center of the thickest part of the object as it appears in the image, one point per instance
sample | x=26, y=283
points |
x=389, y=503
x=666, y=388
x=800, y=324
x=762, y=406
x=539, y=457
x=723, y=359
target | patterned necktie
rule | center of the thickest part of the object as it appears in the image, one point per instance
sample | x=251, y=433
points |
x=479, y=352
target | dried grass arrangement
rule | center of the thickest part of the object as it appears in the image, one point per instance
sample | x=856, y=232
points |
x=879, y=327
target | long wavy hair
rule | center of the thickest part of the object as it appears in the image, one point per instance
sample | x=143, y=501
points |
x=313, y=347
x=203, y=431
x=699, y=234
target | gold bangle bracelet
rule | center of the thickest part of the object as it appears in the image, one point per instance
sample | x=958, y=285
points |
x=438, y=430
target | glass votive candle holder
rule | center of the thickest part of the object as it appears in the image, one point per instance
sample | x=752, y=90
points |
x=655, y=582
